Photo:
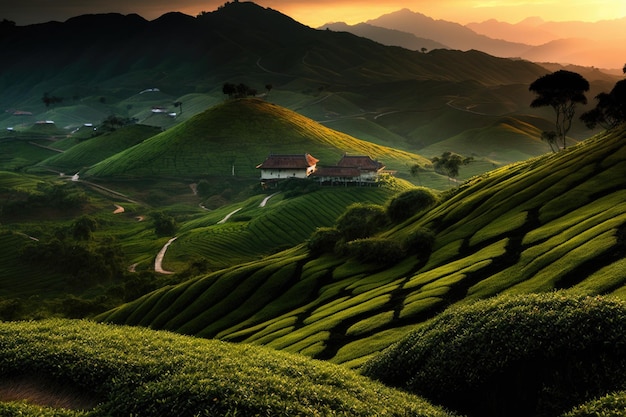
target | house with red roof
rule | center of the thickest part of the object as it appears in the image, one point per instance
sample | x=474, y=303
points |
x=351, y=169
x=279, y=167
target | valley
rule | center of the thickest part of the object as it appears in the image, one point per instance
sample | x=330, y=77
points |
x=154, y=263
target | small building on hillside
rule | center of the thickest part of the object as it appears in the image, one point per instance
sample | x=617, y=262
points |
x=279, y=167
x=351, y=170
x=369, y=168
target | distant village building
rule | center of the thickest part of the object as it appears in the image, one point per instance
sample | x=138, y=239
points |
x=369, y=168
x=280, y=167
x=351, y=170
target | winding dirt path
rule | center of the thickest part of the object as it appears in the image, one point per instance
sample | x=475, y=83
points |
x=225, y=219
x=266, y=199
x=158, y=261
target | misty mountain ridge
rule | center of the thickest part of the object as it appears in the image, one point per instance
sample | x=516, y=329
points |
x=580, y=43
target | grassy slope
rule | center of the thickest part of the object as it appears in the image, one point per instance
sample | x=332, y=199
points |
x=240, y=133
x=255, y=231
x=91, y=151
x=553, y=222
x=127, y=371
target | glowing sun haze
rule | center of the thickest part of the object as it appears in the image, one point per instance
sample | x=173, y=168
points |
x=315, y=13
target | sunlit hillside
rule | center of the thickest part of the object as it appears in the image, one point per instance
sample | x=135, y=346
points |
x=549, y=223
x=237, y=136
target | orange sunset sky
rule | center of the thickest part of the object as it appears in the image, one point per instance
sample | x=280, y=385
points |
x=315, y=13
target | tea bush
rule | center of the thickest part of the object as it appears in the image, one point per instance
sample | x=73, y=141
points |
x=323, y=240
x=420, y=242
x=375, y=250
x=529, y=355
x=360, y=221
x=145, y=373
x=611, y=405
x=410, y=202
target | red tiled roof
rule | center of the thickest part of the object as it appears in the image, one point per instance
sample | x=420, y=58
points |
x=361, y=162
x=288, y=162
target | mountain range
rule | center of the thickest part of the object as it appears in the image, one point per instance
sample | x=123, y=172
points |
x=598, y=44
x=163, y=72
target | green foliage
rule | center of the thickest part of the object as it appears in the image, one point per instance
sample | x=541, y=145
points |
x=140, y=372
x=323, y=240
x=449, y=163
x=164, y=224
x=58, y=195
x=410, y=202
x=420, y=242
x=379, y=251
x=83, y=227
x=610, y=405
x=83, y=263
x=360, y=221
x=115, y=122
x=531, y=355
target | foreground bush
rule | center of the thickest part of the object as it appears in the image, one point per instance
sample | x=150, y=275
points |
x=532, y=355
x=323, y=240
x=360, y=221
x=375, y=250
x=611, y=405
x=144, y=373
x=420, y=242
x=410, y=202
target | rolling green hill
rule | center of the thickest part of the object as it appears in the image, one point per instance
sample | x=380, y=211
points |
x=91, y=151
x=238, y=135
x=552, y=222
x=62, y=368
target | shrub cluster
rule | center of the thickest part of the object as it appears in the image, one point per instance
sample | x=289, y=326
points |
x=361, y=220
x=410, y=202
x=375, y=250
x=323, y=240
x=353, y=234
x=531, y=355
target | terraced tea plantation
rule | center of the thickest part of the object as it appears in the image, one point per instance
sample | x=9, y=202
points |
x=554, y=222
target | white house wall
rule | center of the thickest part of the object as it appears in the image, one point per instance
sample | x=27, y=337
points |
x=275, y=174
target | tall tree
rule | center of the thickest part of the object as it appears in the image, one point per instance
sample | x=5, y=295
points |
x=562, y=90
x=550, y=138
x=610, y=111
x=449, y=163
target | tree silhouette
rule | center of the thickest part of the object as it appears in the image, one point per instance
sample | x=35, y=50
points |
x=415, y=172
x=48, y=99
x=610, y=111
x=238, y=91
x=229, y=89
x=550, y=137
x=561, y=90
x=449, y=163
x=179, y=104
